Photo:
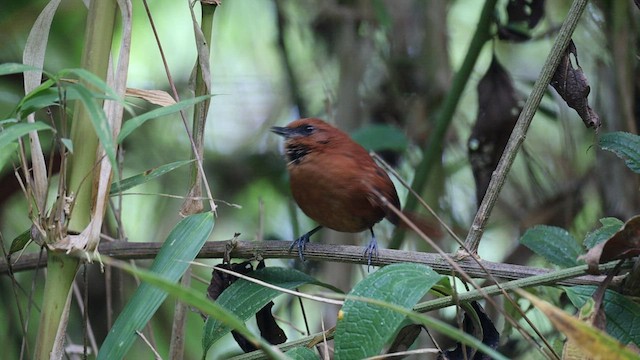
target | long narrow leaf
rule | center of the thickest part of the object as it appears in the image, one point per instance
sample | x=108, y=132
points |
x=12, y=133
x=15, y=68
x=198, y=300
x=128, y=183
x=137, y=121
x=99, y=122
x=181, y=246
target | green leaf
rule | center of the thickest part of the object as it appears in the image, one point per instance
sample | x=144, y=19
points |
x=377, y=137
x=20, y=241
x=15, y=68
x=68, y=144
x=366, y=328
x=302, y=353
x=135, y=122
x=94, y=80
x=181, y=247
x=610, y=226
x=244, y=298
x=622, y=313
x=41, y=90
x=99, y=122
x=554, y=244
x=13, y=132
x=198, y=300
x=144, y=177
x=6, y=153
x=625, y=145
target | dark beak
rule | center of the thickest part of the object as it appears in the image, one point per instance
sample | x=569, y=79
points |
x=282, y=131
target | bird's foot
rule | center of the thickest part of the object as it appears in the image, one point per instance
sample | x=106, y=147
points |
x=371, y=251
x=301, y=243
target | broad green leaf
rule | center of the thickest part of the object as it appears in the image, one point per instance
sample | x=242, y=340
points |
x=365, y=328
x=99, y=122
x=6, y=153
x=610, y=226
x=130, y=125
x=181, y=246
x=15, y=68
x=554, y=244
x=302, y=353
x=380, y=137
x=625, y=145
x=198, y=300
x=622, y=313
x=13, y=132
x=20, y=241
x=244, y=298
x=144, y=177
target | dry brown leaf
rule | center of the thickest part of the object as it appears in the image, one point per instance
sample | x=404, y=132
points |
x=156, y=97
x=573, y=86
x=498, y=112
x=622, y=245
x=591, y=342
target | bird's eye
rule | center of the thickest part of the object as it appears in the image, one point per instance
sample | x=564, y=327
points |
x=307, y=129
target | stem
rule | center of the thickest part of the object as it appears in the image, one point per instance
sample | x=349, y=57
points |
x=524, y=120
x=444, y=117
x=62, y=268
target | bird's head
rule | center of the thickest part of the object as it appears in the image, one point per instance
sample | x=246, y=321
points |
x=309, y=135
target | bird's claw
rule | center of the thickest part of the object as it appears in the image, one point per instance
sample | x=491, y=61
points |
x=301, y=243
x=370, y=252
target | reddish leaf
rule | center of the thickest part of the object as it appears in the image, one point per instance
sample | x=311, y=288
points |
x=573, y=86
x=498, y=112
x=622, y=245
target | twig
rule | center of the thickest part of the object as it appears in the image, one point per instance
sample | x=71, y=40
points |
x=524, y=120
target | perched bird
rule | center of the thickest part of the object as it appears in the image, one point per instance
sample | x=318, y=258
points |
x=335, y=181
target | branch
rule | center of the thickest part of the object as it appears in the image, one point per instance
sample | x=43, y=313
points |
x=522, y=125
x=320, y=252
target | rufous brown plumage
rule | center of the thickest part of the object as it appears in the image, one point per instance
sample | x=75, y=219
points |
x=335, y=181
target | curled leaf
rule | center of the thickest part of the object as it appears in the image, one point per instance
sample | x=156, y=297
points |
x=483, y=328
x=573, y=86
x=623, y=244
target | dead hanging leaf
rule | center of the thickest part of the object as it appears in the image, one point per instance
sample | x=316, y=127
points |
x=498, y=111
x=573, y=86
x=156, y=97
x=590, y=342
x=622, y=245
x=405, y=338
x=523, y=15
x=486, y=331
x=267, y=325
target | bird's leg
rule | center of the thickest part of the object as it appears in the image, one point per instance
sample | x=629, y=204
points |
x=372, y=249
x=302, y=241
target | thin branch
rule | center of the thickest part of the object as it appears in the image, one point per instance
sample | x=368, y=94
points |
x=324, y=252
x=524, y=120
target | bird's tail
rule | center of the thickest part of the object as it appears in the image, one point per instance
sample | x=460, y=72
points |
x=427, y=227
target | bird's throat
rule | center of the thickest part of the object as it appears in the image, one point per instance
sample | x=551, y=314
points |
x=295, y=153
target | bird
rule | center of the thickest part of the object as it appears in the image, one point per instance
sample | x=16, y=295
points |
x=335, y=181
